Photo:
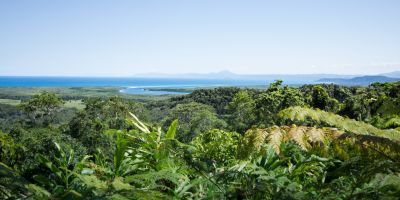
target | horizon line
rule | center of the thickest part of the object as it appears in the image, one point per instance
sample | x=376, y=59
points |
x=166, y=75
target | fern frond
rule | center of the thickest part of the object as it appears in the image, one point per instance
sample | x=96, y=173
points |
x=316, y=135
x=251, y=142
x=306, y=137
x=297, y=134
x=275, y=138
x=382, y=146
x=296, y=114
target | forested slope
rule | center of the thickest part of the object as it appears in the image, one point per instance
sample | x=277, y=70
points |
x=308, y=142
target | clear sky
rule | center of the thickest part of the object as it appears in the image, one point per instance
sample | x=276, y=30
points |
x=123, y=38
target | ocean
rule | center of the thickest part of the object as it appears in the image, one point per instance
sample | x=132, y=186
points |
x=128, y=85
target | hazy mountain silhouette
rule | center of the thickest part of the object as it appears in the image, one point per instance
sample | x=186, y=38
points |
x=395, y=74
x=288, y=78
x=361, y=80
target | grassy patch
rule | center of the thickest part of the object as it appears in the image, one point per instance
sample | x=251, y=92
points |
x=12, y=102
x=78, y=104
x=73, y=93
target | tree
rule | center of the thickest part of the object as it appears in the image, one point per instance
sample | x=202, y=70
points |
x=34, y=141
x=274, y=99
x=242, y=113
x=218, y=98
x=42, y=108
x=322, y=100
x=216, y=147
x=194, y=119
x=9, y=149
x=100, y=115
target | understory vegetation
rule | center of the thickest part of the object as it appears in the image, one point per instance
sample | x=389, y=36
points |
x=308, y=142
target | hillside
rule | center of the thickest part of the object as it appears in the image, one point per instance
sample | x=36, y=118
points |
x=308, y=142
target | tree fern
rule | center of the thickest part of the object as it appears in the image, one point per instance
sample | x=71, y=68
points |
x=303, y=136
x=393, y=122
x=307, y=115
x=309, y=137
x=298, y=135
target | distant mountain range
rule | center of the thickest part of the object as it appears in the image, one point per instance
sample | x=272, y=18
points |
x=395, y=74
x=361, y=80
x=287, y=78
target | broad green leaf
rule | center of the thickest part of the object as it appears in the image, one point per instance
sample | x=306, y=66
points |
x=87, y=171
x=43, y=180
x=172, y=130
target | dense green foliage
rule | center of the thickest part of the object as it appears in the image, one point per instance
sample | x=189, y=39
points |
x=194, y=118
x=311, y=142
x=42, y=108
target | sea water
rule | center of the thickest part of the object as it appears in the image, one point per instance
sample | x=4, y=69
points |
x=128, y=85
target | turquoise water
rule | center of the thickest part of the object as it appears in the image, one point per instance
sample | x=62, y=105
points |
x=129, y=85
x=148, y=91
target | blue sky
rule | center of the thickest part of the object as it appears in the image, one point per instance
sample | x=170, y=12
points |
x=122, y=38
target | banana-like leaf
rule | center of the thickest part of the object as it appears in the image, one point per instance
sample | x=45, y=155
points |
x=138, y=123
x=44, y=180
x=49, y=165
x=119, y=155
x=172, y=130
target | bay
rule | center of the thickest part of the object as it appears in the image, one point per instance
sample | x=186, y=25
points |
x=129, y=85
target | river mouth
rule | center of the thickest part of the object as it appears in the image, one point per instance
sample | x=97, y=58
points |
x=153, y=91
